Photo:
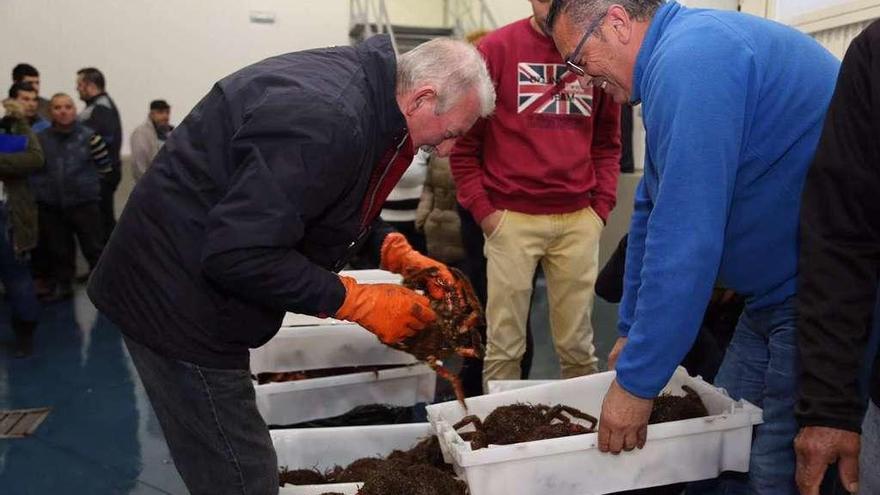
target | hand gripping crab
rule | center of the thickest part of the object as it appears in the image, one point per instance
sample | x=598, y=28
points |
x=524, y=423
x=456, y=330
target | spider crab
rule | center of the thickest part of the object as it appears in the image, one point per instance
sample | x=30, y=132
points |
x=524, y=423
x=456, y=330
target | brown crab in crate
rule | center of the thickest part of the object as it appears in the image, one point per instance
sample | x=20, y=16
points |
x=456, y=330
x=524, y=423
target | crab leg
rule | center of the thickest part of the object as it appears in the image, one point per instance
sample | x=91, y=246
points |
x=450, y=377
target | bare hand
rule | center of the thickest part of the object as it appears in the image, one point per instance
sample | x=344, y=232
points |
x=817, y=447
x=615, y=352
x=490, y=223
x=624, y=421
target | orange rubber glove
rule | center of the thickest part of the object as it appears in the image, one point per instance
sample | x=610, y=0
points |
x=391, y=312
x=399, y=257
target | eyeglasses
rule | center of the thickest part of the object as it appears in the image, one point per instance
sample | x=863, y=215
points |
x=569, y=61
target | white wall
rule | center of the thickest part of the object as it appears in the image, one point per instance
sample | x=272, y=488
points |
x=430, y=12
x=427, y=13
x=787, y=10
x=147, y=49
x=711, y=4
x=507, y=11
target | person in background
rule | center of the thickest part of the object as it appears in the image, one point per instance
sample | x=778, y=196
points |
x=399, y=210
x=20, y=156
x=68, y=192
x=148, y=137
x=26, y=96
x=839, y=283
x=27, y=73
x=436, y=215
x=540, y=178
x=102, y=116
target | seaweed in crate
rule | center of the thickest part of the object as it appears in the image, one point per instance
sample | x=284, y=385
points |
x=524, y=423
x=426, y=451
x=301, y=477
x=357, y=471
x=397, y=478
x=669, y=407
x=459, y=316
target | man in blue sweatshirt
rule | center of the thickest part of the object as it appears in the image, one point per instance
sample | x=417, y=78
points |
x=733, y=106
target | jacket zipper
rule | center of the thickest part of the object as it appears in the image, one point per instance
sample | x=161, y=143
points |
x=382, y=180
x=365, y=227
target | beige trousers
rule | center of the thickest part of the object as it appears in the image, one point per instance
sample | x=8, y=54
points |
x=567, y=246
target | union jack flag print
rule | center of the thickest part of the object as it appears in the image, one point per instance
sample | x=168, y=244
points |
x=540, y=93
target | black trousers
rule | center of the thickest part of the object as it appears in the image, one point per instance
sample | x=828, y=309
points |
x=109, y=184
x=474, y=266
x=55, y=256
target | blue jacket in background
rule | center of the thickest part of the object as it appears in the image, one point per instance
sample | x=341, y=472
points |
x=70, y=176
x=733, y=107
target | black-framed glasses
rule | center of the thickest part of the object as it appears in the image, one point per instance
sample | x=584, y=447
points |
x=569, y=61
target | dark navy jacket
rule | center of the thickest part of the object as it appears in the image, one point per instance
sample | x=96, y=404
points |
x=70, y=176
x=253, y=202
x=102, y=115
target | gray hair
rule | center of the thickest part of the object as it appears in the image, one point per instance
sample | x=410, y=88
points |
x=452, y=67
x=581, y=12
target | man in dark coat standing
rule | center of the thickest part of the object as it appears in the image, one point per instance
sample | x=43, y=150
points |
x=255, y=200
x=102, y=115
x=840, y=285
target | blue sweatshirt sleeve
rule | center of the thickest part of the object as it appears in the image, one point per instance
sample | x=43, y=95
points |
x=696, y=100
x=635, y=250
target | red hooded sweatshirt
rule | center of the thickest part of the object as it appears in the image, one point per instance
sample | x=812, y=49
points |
x=551, y=147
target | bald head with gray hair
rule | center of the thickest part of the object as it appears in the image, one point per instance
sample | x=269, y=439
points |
x=581, y=12
x=452, y=67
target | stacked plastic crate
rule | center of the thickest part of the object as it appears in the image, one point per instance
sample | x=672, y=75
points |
x=305, y=343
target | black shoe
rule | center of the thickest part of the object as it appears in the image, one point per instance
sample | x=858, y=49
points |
x=24, y=337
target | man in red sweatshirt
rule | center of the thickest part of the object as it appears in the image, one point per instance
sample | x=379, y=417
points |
x=540, y=177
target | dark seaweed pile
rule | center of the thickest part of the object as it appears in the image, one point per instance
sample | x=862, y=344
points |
x=426, y=452
x=675, y=408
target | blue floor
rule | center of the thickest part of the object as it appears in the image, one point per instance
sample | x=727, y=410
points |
x=102, y=436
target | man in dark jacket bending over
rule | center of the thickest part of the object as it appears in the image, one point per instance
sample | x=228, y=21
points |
x=254, y=202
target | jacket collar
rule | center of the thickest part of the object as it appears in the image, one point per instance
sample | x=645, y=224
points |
x=92, y=100
x=380, y=67
x=664, y=15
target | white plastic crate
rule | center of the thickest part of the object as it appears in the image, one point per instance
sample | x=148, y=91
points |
x=678, y=451
x=326, y=346
x=305, y=400
x=363, y=277
x=343, y=488
x=496, y=386
x=323, y=448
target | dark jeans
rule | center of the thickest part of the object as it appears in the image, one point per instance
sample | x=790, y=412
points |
x=218, y=440
x=869, y=477
x=761, y=367
x=106, y=205
x=16, y=276
x=474, y=266
x=55, y=256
